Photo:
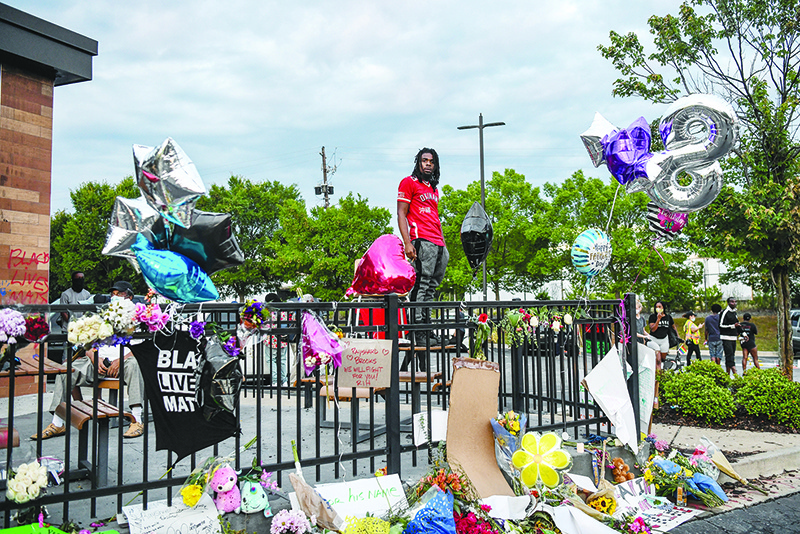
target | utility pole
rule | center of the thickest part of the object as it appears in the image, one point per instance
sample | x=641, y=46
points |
x=480, y=126
x=325, y=189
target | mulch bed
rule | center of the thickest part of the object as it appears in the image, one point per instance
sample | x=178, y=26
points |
x=741, y=421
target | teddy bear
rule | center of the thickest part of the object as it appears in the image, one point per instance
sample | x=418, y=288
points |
x=255, y=498
x=621, y=471
x=223, y=481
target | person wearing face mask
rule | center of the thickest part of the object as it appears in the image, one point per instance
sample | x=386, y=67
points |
x=729, y=330
x=73, y=295
x=660, y=323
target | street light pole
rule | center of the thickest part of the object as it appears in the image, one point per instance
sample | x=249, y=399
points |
x=480, y=126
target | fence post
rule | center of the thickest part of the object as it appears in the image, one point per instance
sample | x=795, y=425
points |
x=518, y=377
x=393, y=398
x=633, y=384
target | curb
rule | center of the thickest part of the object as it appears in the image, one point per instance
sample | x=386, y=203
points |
x=763, y=464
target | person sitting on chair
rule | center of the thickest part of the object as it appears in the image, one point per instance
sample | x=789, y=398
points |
x=108, y=365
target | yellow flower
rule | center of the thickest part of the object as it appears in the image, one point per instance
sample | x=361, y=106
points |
x=515, y=426
x=191, y=494
x=648, y=475
x=541, y=458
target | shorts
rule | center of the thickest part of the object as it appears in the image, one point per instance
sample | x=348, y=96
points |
x=729, y=348
x=715, y=349
x=659, y=344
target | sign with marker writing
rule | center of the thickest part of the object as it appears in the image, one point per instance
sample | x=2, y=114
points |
x=375, y=495
x=366, y=363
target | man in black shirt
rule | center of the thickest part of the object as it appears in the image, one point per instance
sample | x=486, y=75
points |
x=729, y=332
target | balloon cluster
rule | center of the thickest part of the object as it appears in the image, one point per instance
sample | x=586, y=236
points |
x=175, y=246
x=696, y=130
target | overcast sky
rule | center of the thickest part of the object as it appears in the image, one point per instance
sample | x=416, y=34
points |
x=256, y=88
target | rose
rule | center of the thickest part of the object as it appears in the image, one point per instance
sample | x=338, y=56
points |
x=567, y=319
x=556, y=326
x=105, y=331
x=482, y=318
x=534, y=321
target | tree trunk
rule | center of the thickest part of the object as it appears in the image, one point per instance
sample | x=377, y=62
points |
x=780, y=276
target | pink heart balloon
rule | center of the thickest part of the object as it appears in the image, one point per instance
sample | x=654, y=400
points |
x=383, y=269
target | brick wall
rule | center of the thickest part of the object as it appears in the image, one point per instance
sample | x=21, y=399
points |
x=26, y=132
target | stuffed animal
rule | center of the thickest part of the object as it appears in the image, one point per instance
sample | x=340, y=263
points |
x=621, y=471
x=255, y=498
x=223, y=481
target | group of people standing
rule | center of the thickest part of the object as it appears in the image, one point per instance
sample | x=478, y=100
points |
x=721, y=330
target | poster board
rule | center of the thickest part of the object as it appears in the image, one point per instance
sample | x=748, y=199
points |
x=374, y=495
x=470, y=440
x=366, y=363
x=162, y=519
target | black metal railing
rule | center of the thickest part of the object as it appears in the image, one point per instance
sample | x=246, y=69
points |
x=541, y=377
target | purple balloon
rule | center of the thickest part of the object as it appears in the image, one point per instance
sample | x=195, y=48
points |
x=627, y=151
x=320, y=346
x=383, y=269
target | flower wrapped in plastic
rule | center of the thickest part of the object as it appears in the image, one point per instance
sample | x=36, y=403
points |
x=87, y=329
x=320, y=346
x=36, y=328
x=254, y=316
x=197, y=482
x=483, y=327
x=120, y=313
x=151, y=316
x=27, y=483
x=508, y=430
x=12, y=325
x=436, y=517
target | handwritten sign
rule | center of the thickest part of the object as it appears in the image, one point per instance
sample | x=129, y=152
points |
x=366, y=363
x=162, y=519
x=375, y=495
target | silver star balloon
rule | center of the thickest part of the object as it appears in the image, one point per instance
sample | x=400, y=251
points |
x=129, y=217
x=593, y=138
x=168, y=180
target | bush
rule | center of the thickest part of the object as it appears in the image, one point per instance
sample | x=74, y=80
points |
x=711, y=370
x=766, y=392
x=699, y=396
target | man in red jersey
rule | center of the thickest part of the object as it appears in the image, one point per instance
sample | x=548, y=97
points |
x=423, y=241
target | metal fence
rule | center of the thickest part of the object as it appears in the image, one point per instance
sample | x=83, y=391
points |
x=339, y=433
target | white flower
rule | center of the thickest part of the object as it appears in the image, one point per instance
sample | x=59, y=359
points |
x=556, y=326
x=534, y=321
x=567, y=318
x=33, y=491
x=42, y=480
x=24, y=479
x=105, y=331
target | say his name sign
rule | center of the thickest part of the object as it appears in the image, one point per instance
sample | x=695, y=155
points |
x=366, y=363
x=375, y=495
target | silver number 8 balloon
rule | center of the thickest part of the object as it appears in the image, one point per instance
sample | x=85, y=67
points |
x=697, y=130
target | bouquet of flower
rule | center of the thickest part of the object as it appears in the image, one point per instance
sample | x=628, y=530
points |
x=120, y=313
x=290, y=522
x=36, y=328
x=483, y=327
x=516, y=326
x=318, y=344
x=87, y=329
x=508, y=429
x=472, y=523
x=197, y=482
x=27, y=483
x=151, y=316
x=446, y=480
x=668, y=476
x=253, y=316
x=12, y=325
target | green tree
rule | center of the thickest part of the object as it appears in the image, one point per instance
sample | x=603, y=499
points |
x=320, y=248
x=748, y=53
x=580, y=203
x=77, y=239
x=514, y=207
x=254, y=209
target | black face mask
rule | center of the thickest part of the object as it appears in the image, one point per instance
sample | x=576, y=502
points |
x=77, y=284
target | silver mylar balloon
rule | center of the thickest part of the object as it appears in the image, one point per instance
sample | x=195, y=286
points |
x=129, y=217
x=696, y=130
x=593, y=138
x=168, y=180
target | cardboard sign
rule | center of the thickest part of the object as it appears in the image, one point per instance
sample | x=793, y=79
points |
x=163, y=519
x=374, y=495
x=366, y=363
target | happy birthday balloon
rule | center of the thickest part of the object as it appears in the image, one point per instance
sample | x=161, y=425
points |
x=476, y=235
x=666, y=224
x=168, y=180
x=383, y=269
x=591, y=252
x=173, y=275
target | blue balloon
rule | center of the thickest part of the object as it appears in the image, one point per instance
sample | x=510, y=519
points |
x=173, y=275
x=591, y=252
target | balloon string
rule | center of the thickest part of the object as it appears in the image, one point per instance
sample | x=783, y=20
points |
x=660, y=256
x=614, y=203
